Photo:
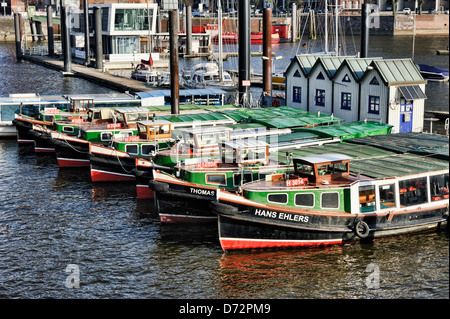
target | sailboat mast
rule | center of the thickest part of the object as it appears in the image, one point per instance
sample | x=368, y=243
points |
x=326, y=27
x=219, y=15
x=336, y=48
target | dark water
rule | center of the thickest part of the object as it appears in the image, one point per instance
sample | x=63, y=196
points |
x=53, y=220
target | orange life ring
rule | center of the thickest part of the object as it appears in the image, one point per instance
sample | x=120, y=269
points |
x=275, y=103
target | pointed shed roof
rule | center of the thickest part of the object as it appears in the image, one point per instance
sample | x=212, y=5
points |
x=397, y=72
x=357, y=66
x=304, y=61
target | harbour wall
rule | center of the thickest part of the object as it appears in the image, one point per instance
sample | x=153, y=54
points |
x=381, y=24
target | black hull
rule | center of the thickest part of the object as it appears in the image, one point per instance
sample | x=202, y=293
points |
x=183, y=204
x=23, y=128
x=246, y=227
x=71, y=153
x=43, y=142
x=107, y=168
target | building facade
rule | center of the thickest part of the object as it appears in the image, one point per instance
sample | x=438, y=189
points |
x=358, y=89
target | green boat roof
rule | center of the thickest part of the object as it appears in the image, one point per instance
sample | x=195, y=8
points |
x=193, y=117
x=280, y=117
x=351, y=150
x=397, y=165
x=349, y=130
x=418, y=143
x=384, y=156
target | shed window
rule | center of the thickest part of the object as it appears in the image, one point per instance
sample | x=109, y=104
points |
x=297, y=94
x=346, y=78
x=346, y=101
x=297, y=74
x=320, y=76
x=320, y=97
x=374, y=104
x=374, y=81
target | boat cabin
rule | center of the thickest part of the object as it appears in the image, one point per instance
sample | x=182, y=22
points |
x=157, y=129
x=80, y=104
x=129, y=116
x=322, y=169
x=205, y=138
x=244, y=152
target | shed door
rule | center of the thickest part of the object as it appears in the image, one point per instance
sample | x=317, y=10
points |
x=406, y=115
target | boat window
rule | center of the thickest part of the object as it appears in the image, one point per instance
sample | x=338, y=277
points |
x=306, y=200
x=237, y=178
x=306, y=169
x=132, y=149
x=119, y=117
x=48, y=118
x=142, y=128
x=334, y=168
x=252, y=154
x=439, y=187
x=367, y=198
x=219, y=179
x=413, y=191
x=212, y=138
x=387, y=196
x=164, y=129
x=329, y=200
x=106, y=136
x=207, y=77
x=146, y=149
x=68, y=129
x=277, y=198
x=97, y=115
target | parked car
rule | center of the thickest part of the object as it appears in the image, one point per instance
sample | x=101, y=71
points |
x=389, y=8
x=406, y=10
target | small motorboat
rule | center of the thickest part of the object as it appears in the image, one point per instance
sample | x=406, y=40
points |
x=433, y=73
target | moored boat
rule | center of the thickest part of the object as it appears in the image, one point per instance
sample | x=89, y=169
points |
x=102, y=127
x=185, y=196
x=333, y=199
x=116, y=162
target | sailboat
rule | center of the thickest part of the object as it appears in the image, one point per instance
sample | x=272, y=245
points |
x=210, y=74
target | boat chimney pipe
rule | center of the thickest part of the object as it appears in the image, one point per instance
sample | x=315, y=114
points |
x=174, y=77
x=244, y=51
x=267, y=51
x=364, y=30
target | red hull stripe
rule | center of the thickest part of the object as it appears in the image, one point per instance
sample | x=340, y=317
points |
x=25, y=141
x=104, y=176
x=144, y=192
x=242, y=243
x=44, y=150
x=67, y=162
x=174, y=219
